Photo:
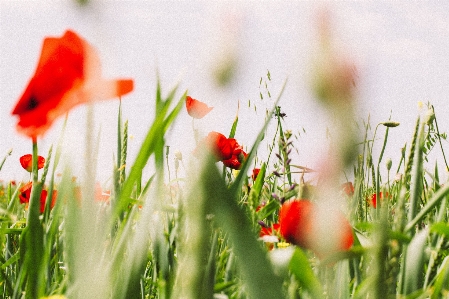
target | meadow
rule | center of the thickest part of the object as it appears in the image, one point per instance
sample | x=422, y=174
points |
x=235, y=226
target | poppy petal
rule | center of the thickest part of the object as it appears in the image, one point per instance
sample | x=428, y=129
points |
x=68, y=74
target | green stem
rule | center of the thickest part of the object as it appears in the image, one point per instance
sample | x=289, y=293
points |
x=33, y=234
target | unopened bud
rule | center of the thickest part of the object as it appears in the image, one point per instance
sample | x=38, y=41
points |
x=389, y=163
x=178, y=155
x=390, y=124
x=403, y=152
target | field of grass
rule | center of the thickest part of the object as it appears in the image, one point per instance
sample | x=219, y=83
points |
x=231, y=228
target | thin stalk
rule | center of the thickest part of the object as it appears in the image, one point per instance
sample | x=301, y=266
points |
x=439, y=139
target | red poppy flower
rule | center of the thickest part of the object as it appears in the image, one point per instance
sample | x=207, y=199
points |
x=68, y=74
x=25, y=194
x=224, y=149
x=235, y=162
x=27, y=162
x=372, y=200
x=348, y=188
x=197, y=109
x=300, y=224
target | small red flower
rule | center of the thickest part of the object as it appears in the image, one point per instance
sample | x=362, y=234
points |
x=27, y=162
x=197, y=109
x=372, y=200
x=25, y=194
x=68, y=74
x=300, y=225
x=348, y=188
x=255, y=173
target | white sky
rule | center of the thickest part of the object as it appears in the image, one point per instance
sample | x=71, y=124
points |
x=400, y=49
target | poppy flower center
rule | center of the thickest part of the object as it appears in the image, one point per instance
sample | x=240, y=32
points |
x=32, y=103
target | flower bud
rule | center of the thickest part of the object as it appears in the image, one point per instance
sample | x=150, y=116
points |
x=390, y=124
x=389, y=163
x=178, y=155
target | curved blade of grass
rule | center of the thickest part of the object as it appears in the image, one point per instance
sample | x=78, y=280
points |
x=257, y=188
x=301, y=269
x=441, y=278
x=4, y=159
x=256, y=270
x=234, y=127
x=436, y=198
x=414, y=262
x=155, y=133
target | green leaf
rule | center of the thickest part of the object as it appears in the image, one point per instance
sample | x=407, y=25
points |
x=152, y=144
x=234, y=127
x=441, y=279
x=434, y=200
x=268, y=209
x=301, y=269
x=257, y=272
x=441, y=228
x=257, y=188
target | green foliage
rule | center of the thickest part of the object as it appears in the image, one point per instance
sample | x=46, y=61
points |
x=199, y=236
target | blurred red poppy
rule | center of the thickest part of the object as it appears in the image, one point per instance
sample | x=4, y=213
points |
x=300, y=225
x=68, y=74
x=348, y=188
x=25, y=194
x=197, y=109
x=100, y=194
x=27, y=162
x=373, y=198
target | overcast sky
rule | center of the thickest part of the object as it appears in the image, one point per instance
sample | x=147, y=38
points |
x=400, y=49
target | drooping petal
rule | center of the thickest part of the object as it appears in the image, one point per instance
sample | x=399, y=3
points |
x=196, y=109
